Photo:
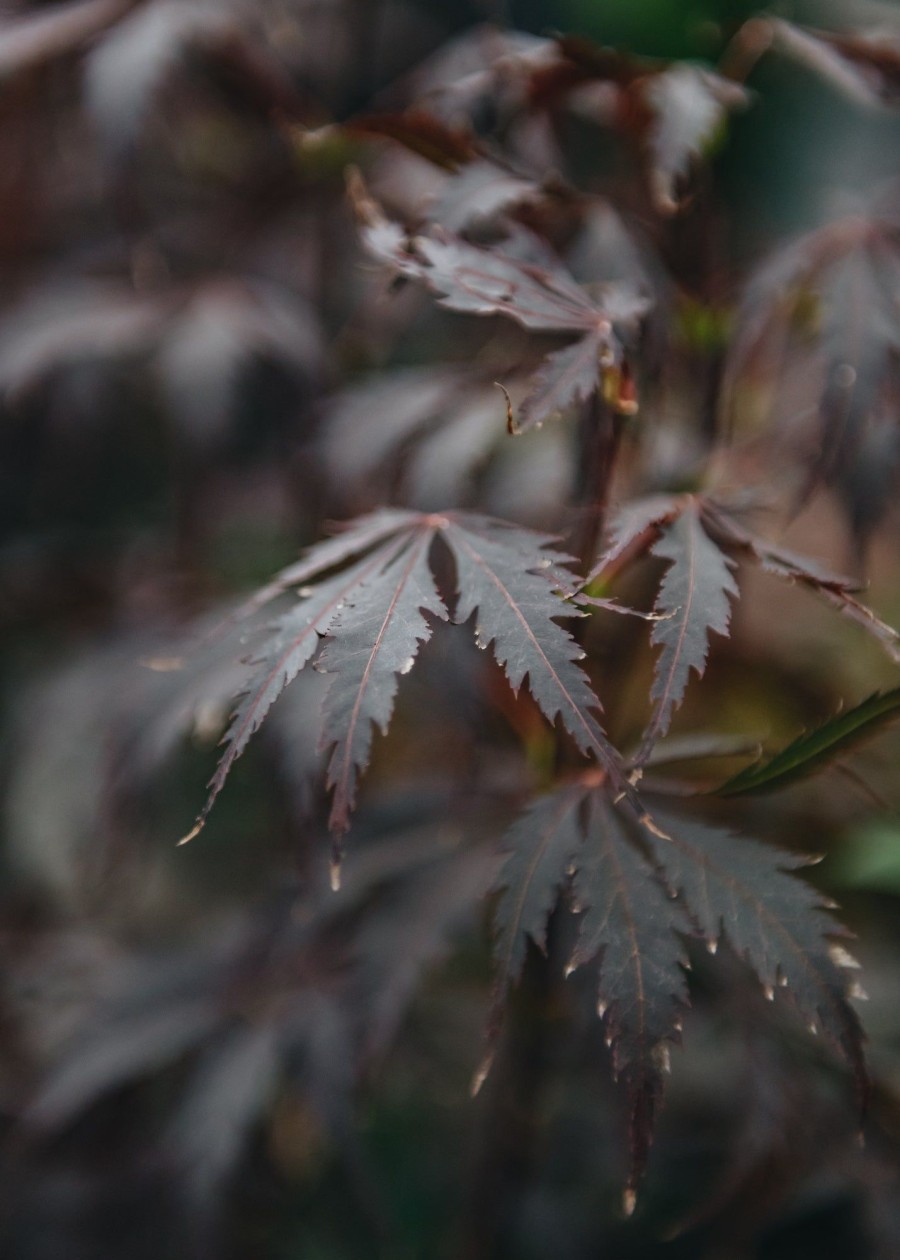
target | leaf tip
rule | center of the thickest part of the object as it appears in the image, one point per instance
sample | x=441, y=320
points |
x=629, y=1201
x=194, y=831
x=481, y=1075
x=512, y=427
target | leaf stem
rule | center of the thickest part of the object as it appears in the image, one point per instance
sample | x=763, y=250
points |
x=599, y=440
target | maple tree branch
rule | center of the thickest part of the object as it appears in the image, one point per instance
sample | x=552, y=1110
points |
x=599, y=439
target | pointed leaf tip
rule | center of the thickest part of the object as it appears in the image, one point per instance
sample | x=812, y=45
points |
x=334, y=873
x=482, y=1073
x=194, y=831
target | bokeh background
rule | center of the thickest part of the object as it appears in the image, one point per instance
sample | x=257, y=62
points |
x=202, y=1052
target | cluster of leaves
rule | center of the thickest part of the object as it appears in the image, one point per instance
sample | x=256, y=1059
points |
x=474, y=203
x=641, y=878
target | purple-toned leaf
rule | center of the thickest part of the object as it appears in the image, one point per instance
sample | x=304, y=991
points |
x=565, y=378
x=481, y=281
x=420, y=132
x=130, y=66
x=42, y=35
x=412, y=928
x=371, y=420
x=505, y=586
x=481, y=191
x=223, y=1097
x=631, y=924
x=864, y=66
x=208, y=347
x=441, y=468
x=784, y=563
x=636, y=526
x=692, y=603
x=357, y=537
x=295, y=639
x=542, y=847
x=743, y=891
x=503, y=280
x=817, y=348
x=371, y=614
x=374, y=638
x=73, y=321
x=689, y=106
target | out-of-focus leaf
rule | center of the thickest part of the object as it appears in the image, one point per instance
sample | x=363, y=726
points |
x=483, y=66
x=154, y=1011
x=72, y=322
x=420, y=132
x=673, y=111
x=128, y=68
x=688, y=107
x=814, y=749
x=816, y=351
x=701, y=747
x=207, y=348
x=44, y=34
x=412, y=929
x=786, y=564
x=430, y=429
x=565, y=378
x=307, y=988
x=866, y=66
x=870, y=858
x=480, y=191
x=370, y=421
x=227, y=1090
x=539, y=295
x=198, y=340
x=479, y=281
x=441, y=468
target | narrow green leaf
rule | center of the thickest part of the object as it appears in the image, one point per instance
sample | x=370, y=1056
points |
x=810, y=751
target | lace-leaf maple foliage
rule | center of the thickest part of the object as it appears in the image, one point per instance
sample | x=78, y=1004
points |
x=641, y=886
x=641, y=878
x=363, y=627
